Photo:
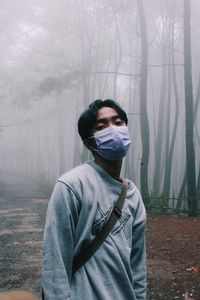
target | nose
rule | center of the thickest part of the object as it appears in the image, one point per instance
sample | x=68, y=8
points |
x=110, y=123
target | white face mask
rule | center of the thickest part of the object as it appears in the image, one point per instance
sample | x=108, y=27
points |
x=112, y=142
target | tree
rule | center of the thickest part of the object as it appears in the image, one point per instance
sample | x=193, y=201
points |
x=189, y=119
x=143, y=104
x=172, y=68
x=160, y=124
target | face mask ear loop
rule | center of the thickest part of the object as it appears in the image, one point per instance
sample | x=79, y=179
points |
x=89, y=138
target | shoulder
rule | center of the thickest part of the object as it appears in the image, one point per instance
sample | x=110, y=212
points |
x=70, y=185
x=133, y=190
x=136, y=199
x=77, y=176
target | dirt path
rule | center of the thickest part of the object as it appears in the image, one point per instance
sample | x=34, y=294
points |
x=21, y=228
x=173, y=247
x=21, y=243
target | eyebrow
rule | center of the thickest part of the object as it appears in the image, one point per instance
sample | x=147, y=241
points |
x=105, y=120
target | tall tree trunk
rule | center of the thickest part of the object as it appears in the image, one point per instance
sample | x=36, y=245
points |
x=184, y=182
x=159, y=134
x=117, y=55
x=61, y=144
x=129, y=163
x=167, y=181
x=77, y=158
x=86, y=68
x=190, y=154
x=198, y=183
x=143, y=105
x=166, y=184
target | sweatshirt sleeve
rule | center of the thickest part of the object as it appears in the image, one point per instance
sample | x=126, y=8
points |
x=138, y=253
x=58, y=244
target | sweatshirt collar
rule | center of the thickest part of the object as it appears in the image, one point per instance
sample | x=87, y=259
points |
x=105, y=176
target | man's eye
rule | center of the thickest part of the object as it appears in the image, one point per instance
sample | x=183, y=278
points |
x=119, y=123
x=100, y=127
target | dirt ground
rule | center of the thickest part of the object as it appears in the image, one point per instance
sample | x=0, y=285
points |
x=173, y=247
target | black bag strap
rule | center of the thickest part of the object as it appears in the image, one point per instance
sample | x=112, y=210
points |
x=88, y=252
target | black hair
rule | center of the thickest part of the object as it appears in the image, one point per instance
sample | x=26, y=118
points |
x=88, y=118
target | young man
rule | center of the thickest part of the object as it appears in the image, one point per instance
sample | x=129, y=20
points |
x=81, y=204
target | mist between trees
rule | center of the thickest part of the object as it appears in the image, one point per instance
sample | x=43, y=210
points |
x=58, y=56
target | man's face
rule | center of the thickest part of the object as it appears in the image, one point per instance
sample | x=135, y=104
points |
x=106, y=117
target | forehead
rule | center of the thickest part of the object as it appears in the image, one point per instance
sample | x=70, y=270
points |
x=106, y=113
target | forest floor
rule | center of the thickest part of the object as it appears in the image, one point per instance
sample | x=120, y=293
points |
x=173, y=249
x=173, y=246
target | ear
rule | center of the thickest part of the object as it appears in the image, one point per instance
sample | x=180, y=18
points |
x=89, y=144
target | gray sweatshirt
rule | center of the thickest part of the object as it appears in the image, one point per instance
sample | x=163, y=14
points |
x=81, y=204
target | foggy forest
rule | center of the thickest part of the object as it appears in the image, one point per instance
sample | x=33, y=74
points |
x=59, y=56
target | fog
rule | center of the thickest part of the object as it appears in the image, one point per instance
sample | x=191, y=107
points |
x=58, y=56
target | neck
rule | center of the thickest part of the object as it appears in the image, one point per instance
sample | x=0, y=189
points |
x=112, y=167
